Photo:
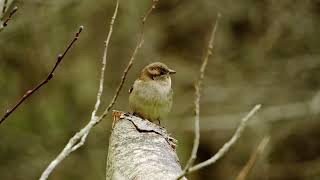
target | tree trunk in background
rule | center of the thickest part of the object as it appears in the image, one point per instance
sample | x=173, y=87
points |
x=139, y=149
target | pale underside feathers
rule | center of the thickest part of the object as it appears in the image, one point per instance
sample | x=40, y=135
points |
x=151, y=94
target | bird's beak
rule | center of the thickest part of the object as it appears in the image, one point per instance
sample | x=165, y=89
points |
x=172, y=71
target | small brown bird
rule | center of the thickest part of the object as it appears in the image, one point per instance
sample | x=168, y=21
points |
x=151, y=94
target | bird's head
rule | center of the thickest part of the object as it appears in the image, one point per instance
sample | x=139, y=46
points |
x=157, y=71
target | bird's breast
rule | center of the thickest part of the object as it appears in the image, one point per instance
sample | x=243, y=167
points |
x=152, y=99
x=152, y=89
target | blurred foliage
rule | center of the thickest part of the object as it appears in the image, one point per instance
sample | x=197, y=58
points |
x=266, y=51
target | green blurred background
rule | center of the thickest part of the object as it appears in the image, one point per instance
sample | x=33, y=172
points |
x=266, y=51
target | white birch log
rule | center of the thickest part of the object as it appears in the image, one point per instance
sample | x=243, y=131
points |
x=139, y=149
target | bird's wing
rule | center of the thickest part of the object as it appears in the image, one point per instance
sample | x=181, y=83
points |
x=130, y=90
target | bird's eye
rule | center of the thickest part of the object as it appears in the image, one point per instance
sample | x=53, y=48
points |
x=162, y=72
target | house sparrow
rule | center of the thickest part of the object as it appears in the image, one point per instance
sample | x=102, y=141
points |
x=151, y=94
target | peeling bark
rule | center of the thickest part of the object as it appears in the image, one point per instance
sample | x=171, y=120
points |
x=139, y=149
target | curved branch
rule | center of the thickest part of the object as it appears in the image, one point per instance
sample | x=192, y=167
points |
x=197, y=98
x=125, y=72
x=226, y=147
x=4, y=23
x=80, y=137
x=42, y=83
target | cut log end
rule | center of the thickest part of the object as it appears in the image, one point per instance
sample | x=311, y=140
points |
x=140, y=149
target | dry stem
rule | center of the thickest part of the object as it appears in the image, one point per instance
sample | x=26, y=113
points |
x=4, y=8
x=189, y=168
x=79, y=138
x=197, y=97
x=225, y=148
x=253, y=158
x=125, y=72
x=5, y=22
x=45, y=81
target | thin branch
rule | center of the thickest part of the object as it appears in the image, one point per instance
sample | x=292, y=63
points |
x=125, y=72
x=226, y=147
x=5, y=22
x=198, y=95
x=269, y=114
x=253, y=158
x=79, y=138
x=100, y=91
x=104, y=61
x=45, y=81
x=4, y=7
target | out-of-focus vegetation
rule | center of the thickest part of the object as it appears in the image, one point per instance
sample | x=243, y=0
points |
x=266, y=51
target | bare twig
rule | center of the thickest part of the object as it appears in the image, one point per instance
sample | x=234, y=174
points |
x=94, y=119
x=225, y=148
x=45, y=81
x=125, y=72
x=104, y=60
x=189, y=168
x=253, y=158
x=14, y=10
x=5, y=22
x=79, y=138
x=4, y=7
x=198, y=95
